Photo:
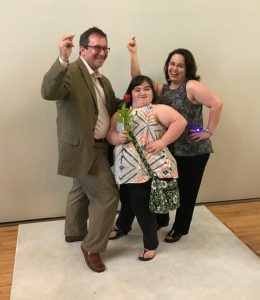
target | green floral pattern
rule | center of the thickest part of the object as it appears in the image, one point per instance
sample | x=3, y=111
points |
x=164, y=195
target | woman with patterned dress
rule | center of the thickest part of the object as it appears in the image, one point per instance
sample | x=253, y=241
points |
x=153, y=127
x=192, y=149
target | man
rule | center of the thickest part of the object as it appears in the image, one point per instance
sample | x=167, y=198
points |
x=85, y=102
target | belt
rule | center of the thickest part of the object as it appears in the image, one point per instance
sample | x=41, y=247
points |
x=99, y=140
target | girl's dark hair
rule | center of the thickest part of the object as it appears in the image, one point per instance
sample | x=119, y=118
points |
x=83, y=41
x=138, y=80
x=190, y=64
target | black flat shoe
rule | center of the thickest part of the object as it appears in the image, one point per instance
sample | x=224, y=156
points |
x=118, y=234
x=172, y=237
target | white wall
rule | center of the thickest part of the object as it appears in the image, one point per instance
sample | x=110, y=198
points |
x=224, y=38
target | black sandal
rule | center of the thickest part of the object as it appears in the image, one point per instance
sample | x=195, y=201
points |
x=142, y=258
x=172, y=236
x=118, y=234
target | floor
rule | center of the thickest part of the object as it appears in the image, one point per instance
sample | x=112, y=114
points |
x=207, y=264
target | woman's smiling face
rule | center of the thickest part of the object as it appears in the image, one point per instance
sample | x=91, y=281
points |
x=176, y=69
x=142, y=95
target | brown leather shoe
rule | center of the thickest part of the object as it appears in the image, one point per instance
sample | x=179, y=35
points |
x=76, y=238
x=94, y=261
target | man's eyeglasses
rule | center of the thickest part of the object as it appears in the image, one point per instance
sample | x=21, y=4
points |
x=98, y=49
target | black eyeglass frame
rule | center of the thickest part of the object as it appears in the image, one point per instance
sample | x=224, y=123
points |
x=98, y=48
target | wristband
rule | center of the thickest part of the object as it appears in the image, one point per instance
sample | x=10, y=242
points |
x=208, y=131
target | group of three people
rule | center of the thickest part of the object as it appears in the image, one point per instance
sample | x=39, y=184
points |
x=86, y=122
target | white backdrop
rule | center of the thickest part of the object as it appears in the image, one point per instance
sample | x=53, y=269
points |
x=224, y=38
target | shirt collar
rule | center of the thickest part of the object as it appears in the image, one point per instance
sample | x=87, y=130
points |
x=92, y=73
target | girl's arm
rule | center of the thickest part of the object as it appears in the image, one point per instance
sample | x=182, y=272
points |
x=170, y=119
x=113, y=137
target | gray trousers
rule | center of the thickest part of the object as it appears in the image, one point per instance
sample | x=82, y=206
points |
x=93, y=198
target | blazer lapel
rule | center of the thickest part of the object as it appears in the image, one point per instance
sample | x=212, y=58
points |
x=107, y=95
x=87, y=78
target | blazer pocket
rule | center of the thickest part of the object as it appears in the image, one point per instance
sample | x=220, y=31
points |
x=70, y=139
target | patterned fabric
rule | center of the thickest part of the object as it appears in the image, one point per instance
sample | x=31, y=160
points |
x=129, y=167
x=164, y=195
x=178, y=99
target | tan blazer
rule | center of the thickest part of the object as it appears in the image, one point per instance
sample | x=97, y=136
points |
x=77, y=112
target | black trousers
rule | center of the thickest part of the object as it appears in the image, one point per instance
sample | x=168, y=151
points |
x=135, y=202
x=191, y=171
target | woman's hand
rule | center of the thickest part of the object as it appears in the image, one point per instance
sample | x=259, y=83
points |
x=132, y=46
x=199, y=135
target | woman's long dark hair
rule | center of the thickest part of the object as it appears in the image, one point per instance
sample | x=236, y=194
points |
x=190, y=64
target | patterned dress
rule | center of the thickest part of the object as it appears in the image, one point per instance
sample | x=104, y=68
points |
x=129, y=167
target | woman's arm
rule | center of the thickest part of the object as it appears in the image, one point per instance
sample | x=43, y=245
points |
x=113, y=137
x=198, y=93
x=170, y=119
x=135, y=66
